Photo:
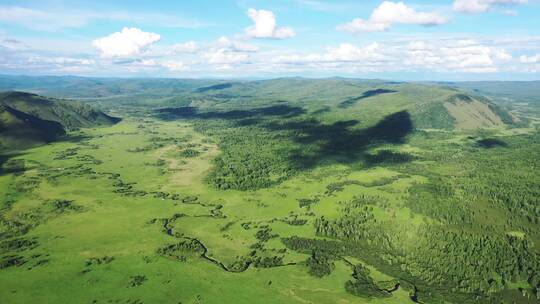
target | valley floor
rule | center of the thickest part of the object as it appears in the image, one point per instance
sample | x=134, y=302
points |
x=129, y=214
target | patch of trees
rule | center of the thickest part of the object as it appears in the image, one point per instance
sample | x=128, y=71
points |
x=66, y=154
x=99, y=261
x=137, y=280
x=268, y=261
x=306, y=202
x=295, y=221
x=388, y=157
x=363, y=285
x=352, y=225
x=306, y=245
x=251, y=158
x=146, y=148
x=472, y=262
x=183, y=250
x=320, y=263
x=12, y=261
x=18, y=244
x=265, y=234
x=189, y=153
x=14, y=166
x=339, y=186
x=62, y=206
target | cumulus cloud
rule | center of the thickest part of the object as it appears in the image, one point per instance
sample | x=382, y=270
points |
x=265, y=26
x=439, y=56
x=457, y=56
x=482, y=6
x=389, y=13
x=346, y=54
x=128, y=42
x=502, y=55
x=529, y=59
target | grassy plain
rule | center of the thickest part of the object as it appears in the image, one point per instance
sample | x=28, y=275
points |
x=113, y=225
x=195, y=209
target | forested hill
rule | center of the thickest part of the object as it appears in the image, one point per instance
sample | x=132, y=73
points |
x=432, y=106
x=28, y=119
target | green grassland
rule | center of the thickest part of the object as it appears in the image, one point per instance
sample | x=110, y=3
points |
x=369, y=194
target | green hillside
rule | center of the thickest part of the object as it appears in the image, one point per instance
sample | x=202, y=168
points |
x=28, y=119
x=330, y=99
x=20, y=130
x=430, y=106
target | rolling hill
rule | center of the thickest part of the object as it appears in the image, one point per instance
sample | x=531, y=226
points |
x=430, y=106
x=28, y=119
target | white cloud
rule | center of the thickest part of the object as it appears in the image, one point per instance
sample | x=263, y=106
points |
x=60, y=60
x=530, y=59
x=502, y=55
x=175, y=66
x=481, y=6
x=224, y=56
x=265, y=26
x=342, y=55
x=128, y=42
x=348, y=52
x=418, y=46
x=148, y=62
x=224, y=53
x=445, y=55
x=359, y=25
x=389, y=13
x=466, y=56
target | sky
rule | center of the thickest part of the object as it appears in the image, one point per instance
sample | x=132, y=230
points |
x=401, y=40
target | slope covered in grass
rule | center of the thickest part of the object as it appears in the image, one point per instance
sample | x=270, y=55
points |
x=28, y=119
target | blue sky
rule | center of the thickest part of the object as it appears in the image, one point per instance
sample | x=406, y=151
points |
x=402, y=40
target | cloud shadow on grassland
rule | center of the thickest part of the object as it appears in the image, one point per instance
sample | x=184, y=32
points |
x=353, y=100
x=340, y=142
x=316, y=142
x=283, y=111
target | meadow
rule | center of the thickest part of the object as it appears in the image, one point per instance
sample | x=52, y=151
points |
x=361, y=199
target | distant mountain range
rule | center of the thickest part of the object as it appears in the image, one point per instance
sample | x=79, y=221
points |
x=27, y=118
